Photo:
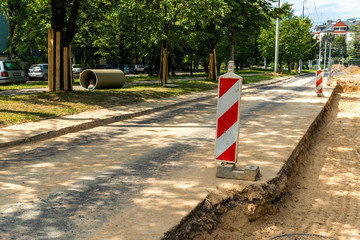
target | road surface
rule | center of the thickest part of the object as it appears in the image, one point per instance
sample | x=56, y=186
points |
x=128, y=180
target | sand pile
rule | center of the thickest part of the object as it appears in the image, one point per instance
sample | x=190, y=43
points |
x=352, y=69
x=356, y=71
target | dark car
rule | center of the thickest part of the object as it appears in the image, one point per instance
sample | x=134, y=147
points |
x=146, y=69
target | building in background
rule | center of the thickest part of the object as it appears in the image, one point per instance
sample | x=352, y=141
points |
x=336, y=28
x=4, y=35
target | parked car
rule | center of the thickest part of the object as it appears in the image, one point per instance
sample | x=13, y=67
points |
x=146, y=69
x=38, y=71
x=126, y=69
x=11, y=72
x=76, y=68
x=106, y=66
x=139, y=68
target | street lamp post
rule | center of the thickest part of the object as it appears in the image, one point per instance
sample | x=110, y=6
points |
x=319, y=62
x=302, y=23
x=330, y=63
x=325, y=55
x=277, y=44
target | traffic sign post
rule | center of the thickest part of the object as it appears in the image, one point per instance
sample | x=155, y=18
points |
x=228, y=128
x=319, y=83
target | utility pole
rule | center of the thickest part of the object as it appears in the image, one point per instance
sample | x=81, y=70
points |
x=277, y=44
x=301, y=45
x=319, y=62
x=325, y=55
x=329, y=64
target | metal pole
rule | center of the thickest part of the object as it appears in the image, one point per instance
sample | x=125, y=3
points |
x=302, y=22
x=319, y=62
x=325, y=56
x=277, y=44
x=329, y=64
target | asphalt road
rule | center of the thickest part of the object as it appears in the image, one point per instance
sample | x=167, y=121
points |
x=105, y=182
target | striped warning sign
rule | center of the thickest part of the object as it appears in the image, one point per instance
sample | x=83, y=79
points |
x=319, y=82
x=228, y=117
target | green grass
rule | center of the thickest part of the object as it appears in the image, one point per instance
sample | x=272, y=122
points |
x=257, y=78
x=42, y=84
x=34, y=107
x=30, y=84
x=143, y=77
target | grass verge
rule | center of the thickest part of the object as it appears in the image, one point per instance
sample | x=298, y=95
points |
x=34, y=107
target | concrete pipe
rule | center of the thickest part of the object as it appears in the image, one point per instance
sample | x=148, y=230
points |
x=102, y=79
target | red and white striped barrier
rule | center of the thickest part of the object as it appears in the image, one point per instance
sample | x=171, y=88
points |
x=319, y=82
x=228, y=117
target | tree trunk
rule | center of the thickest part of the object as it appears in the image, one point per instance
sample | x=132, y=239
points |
x=206, y=67
x=164, y=66
x=296, y=67
x=212, y=66
x=191, y=67
x=150, y=62
x=64, y=32
x=289, y=67
x=12, y=45
x=241, y=65
x=85, y=52
x=173, y=66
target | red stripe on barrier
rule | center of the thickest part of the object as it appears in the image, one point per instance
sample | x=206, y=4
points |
x=319, y=82
x=228, y=119
x=226, y=84
x=229, y=154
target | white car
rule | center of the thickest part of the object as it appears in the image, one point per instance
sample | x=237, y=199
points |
x=139, y=68
x=76, y=68
x=38, y=71
x=11, y=72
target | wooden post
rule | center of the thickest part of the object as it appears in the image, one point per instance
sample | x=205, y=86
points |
x=211, y=67
x=51, y=59
x=57, y=61
x=66, y=69
x=215, y=66
x=165, y=68
x=70, y=69
x=161, y=62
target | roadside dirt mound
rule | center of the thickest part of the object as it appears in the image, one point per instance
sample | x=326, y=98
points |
x=356, y=71
x=323, y=197
x=316, y=193
x=351, y=69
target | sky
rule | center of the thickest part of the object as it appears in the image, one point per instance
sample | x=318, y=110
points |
x=321, y=10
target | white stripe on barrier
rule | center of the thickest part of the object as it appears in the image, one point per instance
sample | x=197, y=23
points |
x=227, y=139
x=229, y=99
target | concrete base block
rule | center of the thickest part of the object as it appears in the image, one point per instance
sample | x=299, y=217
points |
x=249, y=173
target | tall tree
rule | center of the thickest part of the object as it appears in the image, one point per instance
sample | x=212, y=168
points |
x=291, y=46
x=67, y=17
x=353, y=51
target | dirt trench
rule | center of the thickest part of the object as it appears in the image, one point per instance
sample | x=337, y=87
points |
x=316, y=192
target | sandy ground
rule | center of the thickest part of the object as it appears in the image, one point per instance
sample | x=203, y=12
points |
x=325, y=198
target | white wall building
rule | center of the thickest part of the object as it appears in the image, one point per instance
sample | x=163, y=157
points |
x=336, y=28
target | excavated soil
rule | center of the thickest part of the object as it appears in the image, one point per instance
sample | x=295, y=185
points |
x=316, y=194
x=351, y=69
